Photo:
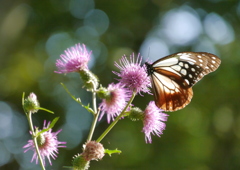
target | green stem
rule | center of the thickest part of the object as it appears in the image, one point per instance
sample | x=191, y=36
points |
x=29, y=117
x=78, y=100
x=116, y=120
x=95, y=117
x=94, y=101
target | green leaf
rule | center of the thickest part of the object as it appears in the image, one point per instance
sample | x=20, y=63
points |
x=53, y=122
x=50, y=126
x=23, y=95
x=41, y=108
x=110, y=152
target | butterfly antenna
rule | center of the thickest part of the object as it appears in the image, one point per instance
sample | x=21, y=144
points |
x=148, y=59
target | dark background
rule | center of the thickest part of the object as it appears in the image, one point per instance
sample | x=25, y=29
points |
x=33, y=33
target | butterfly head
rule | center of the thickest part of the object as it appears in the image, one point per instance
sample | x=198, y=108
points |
x=149, y=68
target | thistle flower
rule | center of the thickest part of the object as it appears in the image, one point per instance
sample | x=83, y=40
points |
x=115, y=98
x=153, y=121
x=132, y=75
x=75, y=59
x=48, y=145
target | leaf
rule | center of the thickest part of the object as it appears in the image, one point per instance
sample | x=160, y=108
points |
x=49, y=111
x=50, y=126
x=110, y=152
x=23, y=95
x=23, y=100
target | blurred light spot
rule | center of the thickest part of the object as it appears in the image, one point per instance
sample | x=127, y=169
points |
x=14, y=22
x=181, y=26
x=79, y=8
x=19, y=134
x=73, y=139
x=223, y=119
x=87, y=34
x=99, y=53
x=218, y=29
x=204, y=44
x=5, y=120
x=57, y=43
x=5, y=156
x=13, y=129
x=77, y=122
x=153, y=49
x=98, y=20
x=24, y=160
x=20, y=70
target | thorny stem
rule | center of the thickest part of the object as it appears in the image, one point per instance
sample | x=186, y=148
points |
x=116, y=120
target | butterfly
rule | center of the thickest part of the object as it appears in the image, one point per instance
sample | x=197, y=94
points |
x=173, y=76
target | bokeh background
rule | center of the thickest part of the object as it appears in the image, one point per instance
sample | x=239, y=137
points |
x=33, y=33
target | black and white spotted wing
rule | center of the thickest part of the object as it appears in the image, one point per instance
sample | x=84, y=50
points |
x=173, y=76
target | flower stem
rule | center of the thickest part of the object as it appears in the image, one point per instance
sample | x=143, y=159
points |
x=95, y=117
x=116, y=120
x=29, y=117
x=78, y=100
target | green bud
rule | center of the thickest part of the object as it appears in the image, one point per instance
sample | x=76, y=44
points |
x=31, y=103
x=79, y=163
x=103, y=93
x=41, y=140
x=136, y=114
x=90, y=80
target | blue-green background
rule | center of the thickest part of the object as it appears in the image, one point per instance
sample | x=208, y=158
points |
x=33, y=33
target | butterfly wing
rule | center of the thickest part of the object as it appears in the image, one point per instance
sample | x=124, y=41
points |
x=168, y=94
x=173, y=76
x=212, y=63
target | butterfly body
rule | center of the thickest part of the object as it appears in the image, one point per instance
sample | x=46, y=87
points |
x=173, y=76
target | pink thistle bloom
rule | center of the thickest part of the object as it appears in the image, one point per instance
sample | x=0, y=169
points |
x=115, y=102
x=132, y=75
x=75, y=59
x=153, y=121
x=49, y=148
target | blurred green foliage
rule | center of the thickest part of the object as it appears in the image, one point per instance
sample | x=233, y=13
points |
x=203, y=136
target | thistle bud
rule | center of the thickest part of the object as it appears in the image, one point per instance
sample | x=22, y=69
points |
x=89, y=79
x=136, y=114
x=103, y=93
x=79, y=163
x=31, y=103
x=93, y=151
